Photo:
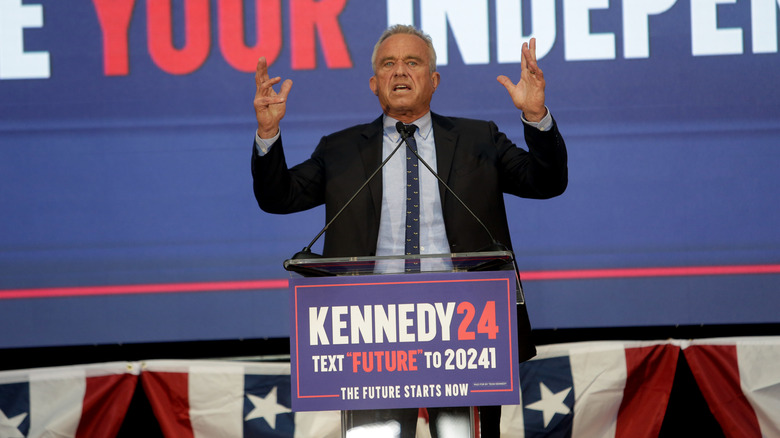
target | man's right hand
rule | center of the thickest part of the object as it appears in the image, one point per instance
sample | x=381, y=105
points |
x=270, y=106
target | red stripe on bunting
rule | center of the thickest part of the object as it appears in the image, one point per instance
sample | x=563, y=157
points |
x=650, y=373
x=716, y=370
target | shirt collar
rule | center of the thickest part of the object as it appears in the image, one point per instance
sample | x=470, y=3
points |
x=424, y=126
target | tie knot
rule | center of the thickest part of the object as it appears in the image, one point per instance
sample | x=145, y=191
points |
x=410, y=129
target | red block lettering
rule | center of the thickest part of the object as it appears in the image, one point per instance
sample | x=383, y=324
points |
x=464, y=334
x=401, y=360
x=487, y=322
x=231, y=33
x=355, y=360
x=390, y=361
x=197, y=36
x=114, y=17
x=322, y=15
x=412, y=360
x=368, y=362
x=379, y=355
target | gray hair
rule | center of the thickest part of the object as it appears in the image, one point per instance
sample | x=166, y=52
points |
x=408, y=30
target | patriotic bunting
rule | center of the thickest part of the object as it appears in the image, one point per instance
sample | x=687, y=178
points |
x=66, y=402
x=604, y=389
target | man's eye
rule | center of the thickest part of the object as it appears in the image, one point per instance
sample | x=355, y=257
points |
x=412, y=63
x=389, y=64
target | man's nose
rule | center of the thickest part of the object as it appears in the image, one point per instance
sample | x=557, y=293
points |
x=400, y=69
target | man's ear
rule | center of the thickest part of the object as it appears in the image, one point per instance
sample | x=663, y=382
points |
x=372, y=84
x=435, y=78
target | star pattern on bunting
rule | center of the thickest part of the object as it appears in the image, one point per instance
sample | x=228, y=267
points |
x=551, y=403
x=267, y=407
x=9, y=427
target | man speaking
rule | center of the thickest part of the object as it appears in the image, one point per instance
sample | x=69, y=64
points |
x=407, y=211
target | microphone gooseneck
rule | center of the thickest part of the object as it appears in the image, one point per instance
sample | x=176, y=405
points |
x=406, y=132
x=306, y=253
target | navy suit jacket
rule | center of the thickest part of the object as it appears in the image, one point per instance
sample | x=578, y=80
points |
x=477, y=161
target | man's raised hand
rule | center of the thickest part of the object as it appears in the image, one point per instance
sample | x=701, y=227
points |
x=528, y=93
x=270, y=106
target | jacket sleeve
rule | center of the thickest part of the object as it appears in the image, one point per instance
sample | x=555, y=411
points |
x=281, y=190
x=539, y=173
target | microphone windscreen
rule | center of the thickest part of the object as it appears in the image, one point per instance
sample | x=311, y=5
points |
x=401, y=128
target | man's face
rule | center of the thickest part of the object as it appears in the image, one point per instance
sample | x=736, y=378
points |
x=402, y=80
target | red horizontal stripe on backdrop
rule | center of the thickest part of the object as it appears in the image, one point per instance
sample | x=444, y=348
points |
x=677, y=271
x=575, y=274
x=80, y=291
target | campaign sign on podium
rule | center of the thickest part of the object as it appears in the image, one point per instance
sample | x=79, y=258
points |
x=404, y=341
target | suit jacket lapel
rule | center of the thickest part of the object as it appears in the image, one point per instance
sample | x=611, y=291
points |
x=446, y=138
x=371, y=154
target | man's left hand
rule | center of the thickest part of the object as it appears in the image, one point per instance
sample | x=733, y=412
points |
x=528, y=93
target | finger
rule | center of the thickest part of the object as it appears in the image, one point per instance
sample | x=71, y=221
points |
x=285, y=90
x=506, y=82
x=523, y=60
x=261, y=72
x=266, y=87
x=267, y=96
x=532, y=49
x=529, y=56
x=537, y=72
x=265, y=102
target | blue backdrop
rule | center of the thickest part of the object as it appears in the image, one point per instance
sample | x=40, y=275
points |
x=126, y=133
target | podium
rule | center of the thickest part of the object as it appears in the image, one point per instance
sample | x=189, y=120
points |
x=380, y=337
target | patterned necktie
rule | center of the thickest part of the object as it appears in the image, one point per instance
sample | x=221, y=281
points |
x=412, y=245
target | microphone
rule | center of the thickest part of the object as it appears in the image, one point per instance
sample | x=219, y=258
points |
x=306, y=253
x=407, y=132
x=404, y=130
